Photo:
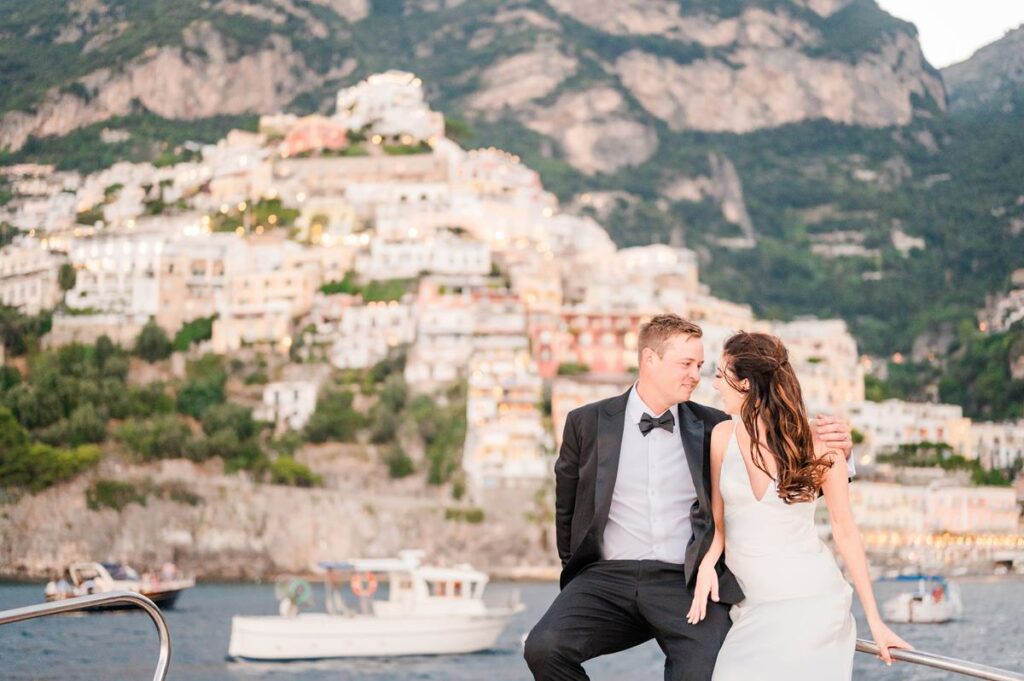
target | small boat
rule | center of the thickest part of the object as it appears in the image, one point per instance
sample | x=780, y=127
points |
x=935, y=600
x=427, y=611
x=83, y=579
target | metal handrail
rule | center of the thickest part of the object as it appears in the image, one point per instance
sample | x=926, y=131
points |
x=949, y=664
x=83, y=602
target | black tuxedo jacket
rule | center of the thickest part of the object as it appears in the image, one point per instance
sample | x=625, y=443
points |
x=585, y=474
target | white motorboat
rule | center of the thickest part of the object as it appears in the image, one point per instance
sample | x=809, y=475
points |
x=83, y=579
x=936, y=600
x=427, y=611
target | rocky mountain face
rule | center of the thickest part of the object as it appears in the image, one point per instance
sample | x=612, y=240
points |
x=992, y=79
x=240, y=530
x=597, y=78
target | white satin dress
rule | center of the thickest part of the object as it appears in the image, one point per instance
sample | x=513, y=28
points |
x=795, y=621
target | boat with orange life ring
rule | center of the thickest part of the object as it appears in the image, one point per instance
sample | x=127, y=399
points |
x=363, y=584
x=418, y=610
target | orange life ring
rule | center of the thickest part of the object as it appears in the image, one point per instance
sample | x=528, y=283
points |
x=364, y=584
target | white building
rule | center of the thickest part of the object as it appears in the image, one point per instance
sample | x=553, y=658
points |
x=889, y=424
x=392, y=105
x=824, y=355
x=194, y=273
x=998, y=445
x=445, y=325
x=403, y=221
x=570, y=392
x=444, y=254
x=367, y=333
x=506, y=443
x=118, y=271
x=289, y=403
x=495, y=174
x=49, y=213
x=935, y=508
x=659, y=259
x=273, y=284
x=28, y=277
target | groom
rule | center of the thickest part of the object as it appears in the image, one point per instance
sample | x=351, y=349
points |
x=633, y=519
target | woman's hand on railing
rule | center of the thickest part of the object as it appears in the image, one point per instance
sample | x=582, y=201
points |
x=886, y=638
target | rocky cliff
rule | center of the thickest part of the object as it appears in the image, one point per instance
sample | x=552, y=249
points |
x=234, y=529
x=992, y=79
x=597, y=78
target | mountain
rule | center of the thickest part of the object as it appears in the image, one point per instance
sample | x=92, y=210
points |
x=992, y=79
x=802, y=147
x=595, y=77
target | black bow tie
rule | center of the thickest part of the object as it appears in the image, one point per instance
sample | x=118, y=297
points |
x=649, y=423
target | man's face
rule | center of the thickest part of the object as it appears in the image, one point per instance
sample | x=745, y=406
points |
x=676, y=373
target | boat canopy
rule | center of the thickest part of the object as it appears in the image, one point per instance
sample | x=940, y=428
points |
x=398, y=565
x=915, y=578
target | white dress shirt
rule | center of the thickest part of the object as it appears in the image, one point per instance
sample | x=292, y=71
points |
x=649, y=517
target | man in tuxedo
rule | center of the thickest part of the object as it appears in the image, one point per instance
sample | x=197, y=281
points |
x=633, y=519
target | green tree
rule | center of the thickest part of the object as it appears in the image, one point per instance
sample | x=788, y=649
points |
x=9, y=377
x=13, y=438
x=234, y=417
x=398, y=462
x=334, y=418
x=152, y=344
x=104, y=350
x=386, y=415
x=572, y=369
x=194, y=331
x=204, y=387
x=115, y=494
x=66, y=277
x=285, y=470
x=34, y=467
x=162, y=437
x=86, y=425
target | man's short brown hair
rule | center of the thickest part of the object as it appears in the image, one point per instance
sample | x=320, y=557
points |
x=654, y=333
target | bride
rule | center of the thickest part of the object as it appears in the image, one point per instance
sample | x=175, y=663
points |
x=766, y=474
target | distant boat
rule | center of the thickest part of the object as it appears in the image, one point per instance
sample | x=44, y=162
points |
x=428, y=611
x=935, y=600
x=82, y=579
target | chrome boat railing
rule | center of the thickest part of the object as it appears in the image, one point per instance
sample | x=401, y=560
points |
x=84, y=602
x=926, y=659
x=949, y=664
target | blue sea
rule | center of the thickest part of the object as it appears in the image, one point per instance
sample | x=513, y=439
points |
x=118, y=646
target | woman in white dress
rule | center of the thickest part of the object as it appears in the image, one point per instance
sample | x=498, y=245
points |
x=767, y=471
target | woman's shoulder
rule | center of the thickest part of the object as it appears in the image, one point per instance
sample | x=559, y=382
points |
x=720, y=436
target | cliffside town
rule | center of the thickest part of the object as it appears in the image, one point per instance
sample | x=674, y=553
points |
x=329, y=244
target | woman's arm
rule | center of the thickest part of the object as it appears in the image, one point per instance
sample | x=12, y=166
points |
x=707, y=578
x=851, y=549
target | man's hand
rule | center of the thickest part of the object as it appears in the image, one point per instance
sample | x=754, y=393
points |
x=834, y=432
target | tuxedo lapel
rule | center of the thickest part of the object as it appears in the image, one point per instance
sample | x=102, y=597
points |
x=692, y=432
x=610, y=421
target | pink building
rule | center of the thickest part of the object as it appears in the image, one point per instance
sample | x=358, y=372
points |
x=314, y=133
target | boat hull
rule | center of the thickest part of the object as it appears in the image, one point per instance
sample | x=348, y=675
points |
x=906, y=610
x=164, y=599
x=319, y=636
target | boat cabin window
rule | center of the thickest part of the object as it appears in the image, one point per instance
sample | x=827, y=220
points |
x=445, y=589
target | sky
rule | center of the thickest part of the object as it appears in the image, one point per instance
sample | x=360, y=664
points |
x=951, y=30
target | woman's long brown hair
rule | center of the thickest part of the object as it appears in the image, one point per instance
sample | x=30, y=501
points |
x=775, y=399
